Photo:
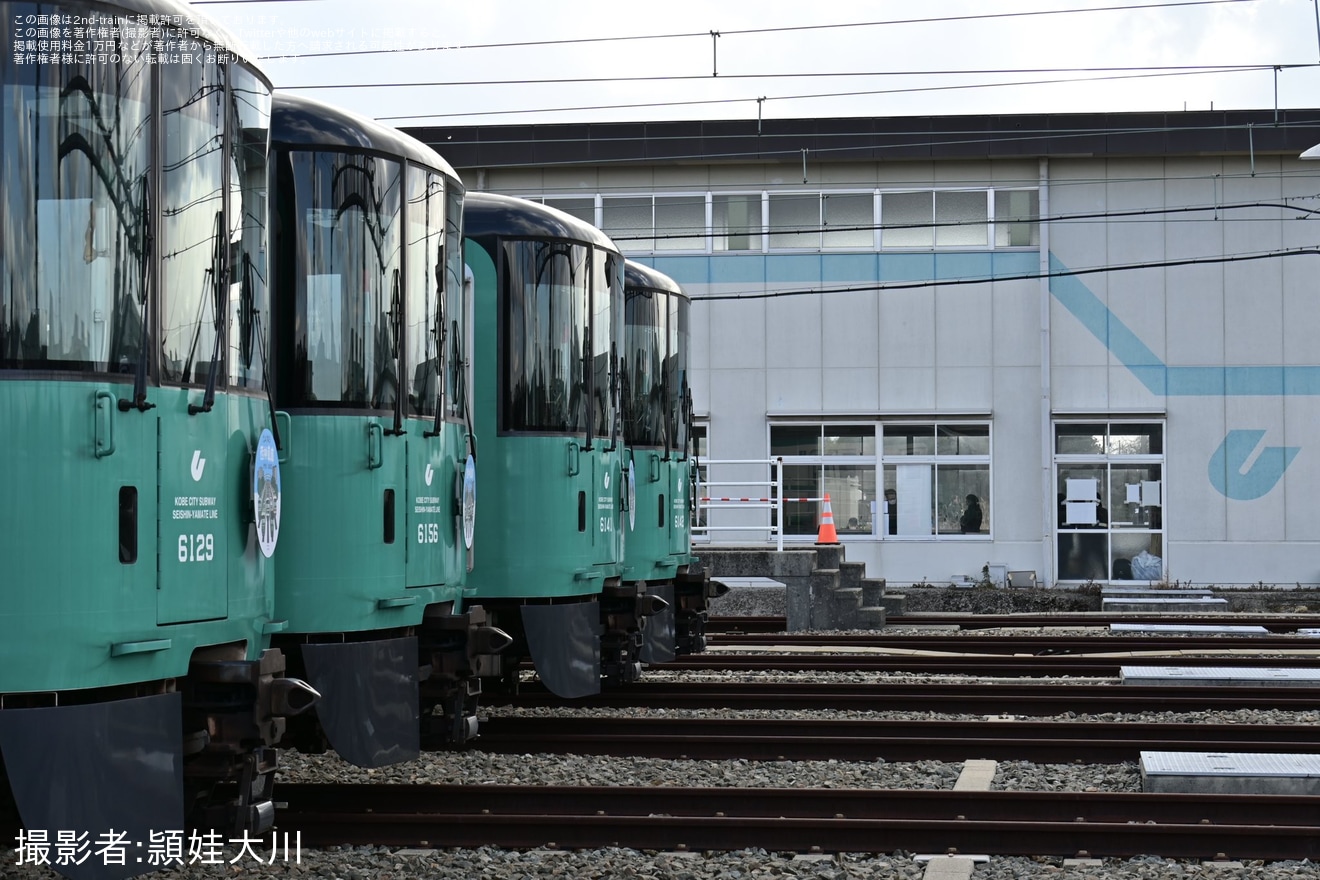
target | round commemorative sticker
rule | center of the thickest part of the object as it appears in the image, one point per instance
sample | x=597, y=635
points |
x=632, y=497
x=469, y=510
x=266, y=492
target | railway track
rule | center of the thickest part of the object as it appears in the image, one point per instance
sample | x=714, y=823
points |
x=993, y=698
x=867, y=740
x=804, y=820
x=1013, y=666
x=1275, y=623
x=1042, y=645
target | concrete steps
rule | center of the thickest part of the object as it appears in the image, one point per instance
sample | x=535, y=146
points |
x=820, y=589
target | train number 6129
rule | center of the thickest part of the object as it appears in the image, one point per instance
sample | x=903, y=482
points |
x=196, y=548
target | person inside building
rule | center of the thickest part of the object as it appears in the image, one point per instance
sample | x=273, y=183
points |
x=971, y=518
x=891, y=507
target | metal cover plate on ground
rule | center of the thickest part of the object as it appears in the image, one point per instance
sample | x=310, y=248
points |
x=745, y=583
x=1230, y=773
x=1188, y=628
x=1194, y=603
x=1219, y=675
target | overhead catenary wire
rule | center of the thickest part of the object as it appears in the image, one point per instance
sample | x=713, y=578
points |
x=738, y=32
x=1152, y=70
x=1017, y=82
x=876, y=287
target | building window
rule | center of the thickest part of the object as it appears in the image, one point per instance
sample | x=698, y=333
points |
x=680, y=223
x=962, y=219
x=737, y=222
x=936, y=480
x=1110, y=520
x=920, y=485
x=628, y=220
x=819, y=460
x=908, y=220
x=794, y=220
x=1017, y=218
x=582, y=208
x=834, y=221
x=849, y=220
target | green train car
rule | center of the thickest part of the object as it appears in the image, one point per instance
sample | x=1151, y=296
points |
x=660, y=465
x=371, y=336
x=548, y=335
x=141, y=502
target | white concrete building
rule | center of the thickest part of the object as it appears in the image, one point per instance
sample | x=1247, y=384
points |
x=1106, y=328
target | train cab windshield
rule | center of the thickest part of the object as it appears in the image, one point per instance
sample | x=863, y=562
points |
x=75, y=141
x=434, y=339
x=564, y=305
x=345, y=226
x=678, y=393
x=76, y=136
x=645, y=346
x=655, y=389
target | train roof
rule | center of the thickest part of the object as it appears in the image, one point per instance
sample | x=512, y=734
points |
x=643, y=276
x=491, y=214
x=298, y=122
x=191, y=17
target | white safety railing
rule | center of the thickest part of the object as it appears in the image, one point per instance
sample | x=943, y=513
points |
x=772, y=480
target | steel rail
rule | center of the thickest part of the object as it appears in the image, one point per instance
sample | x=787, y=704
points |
x=803, y=820
x=1020, y=644
x=1276, y=623
x=1007, y=666
x=869, y=740
x=989, y=698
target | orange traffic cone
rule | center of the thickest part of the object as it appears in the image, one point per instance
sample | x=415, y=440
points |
x=827, y=534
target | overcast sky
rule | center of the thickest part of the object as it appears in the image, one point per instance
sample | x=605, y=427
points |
x=838, y=58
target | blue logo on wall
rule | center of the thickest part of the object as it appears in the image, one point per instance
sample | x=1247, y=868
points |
x=1225, y=467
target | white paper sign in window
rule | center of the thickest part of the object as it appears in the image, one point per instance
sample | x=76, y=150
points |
x=1083, y=490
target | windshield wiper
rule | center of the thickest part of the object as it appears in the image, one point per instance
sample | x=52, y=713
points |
x=139, y=401
x=439, y=333
x=218, y=285
x=396, y=333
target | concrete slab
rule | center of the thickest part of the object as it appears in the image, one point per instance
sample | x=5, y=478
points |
x=1190, y=605
x=949, y=868
x=1226, y=629
x=1114, y=590
x=749, y=582
x=1230, y=773
x=977, y=775
x=979, y=858
x=1219, y=676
